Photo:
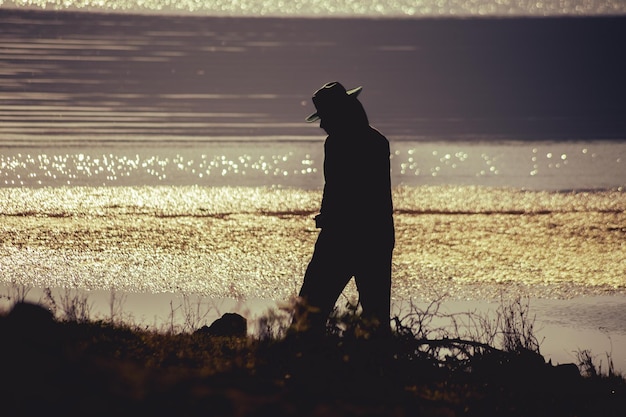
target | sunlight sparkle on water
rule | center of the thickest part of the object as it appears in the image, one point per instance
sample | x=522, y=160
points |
x=111, y=168
x=547, y=166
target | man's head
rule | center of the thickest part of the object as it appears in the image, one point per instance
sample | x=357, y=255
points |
x=332, y=101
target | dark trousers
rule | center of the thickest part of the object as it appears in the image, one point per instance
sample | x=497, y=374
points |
x=339, y=255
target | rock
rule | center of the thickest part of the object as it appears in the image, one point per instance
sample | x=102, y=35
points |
x=30, y=314
x=30, y=327
x=567, y=371
x=229, y=325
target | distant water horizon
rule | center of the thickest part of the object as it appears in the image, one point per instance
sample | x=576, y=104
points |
x=321, y=8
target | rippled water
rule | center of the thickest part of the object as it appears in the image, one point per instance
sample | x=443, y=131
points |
x=87, y=79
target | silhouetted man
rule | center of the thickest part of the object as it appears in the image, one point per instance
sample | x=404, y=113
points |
x=356, y=216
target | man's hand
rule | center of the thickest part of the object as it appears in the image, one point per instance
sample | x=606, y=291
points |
x=319, y=221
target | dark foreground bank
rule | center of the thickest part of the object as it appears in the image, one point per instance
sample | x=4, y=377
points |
x=91, y=368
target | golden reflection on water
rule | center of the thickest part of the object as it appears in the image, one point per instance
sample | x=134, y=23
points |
x=467, y=242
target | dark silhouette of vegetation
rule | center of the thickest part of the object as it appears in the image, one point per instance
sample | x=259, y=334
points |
x=64, y=366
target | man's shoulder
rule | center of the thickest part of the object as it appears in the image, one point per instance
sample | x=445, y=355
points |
x=375, y=132
x=378, y=137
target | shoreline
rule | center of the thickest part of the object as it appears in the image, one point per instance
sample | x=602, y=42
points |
x=563, y=326
x=127, y=370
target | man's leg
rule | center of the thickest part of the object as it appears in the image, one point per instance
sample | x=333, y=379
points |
x=326, y=276
x=373, y=281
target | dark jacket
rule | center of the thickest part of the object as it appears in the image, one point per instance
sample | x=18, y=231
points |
x=357, y=189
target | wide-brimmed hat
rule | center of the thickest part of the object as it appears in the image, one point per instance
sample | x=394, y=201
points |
x=331, y=94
